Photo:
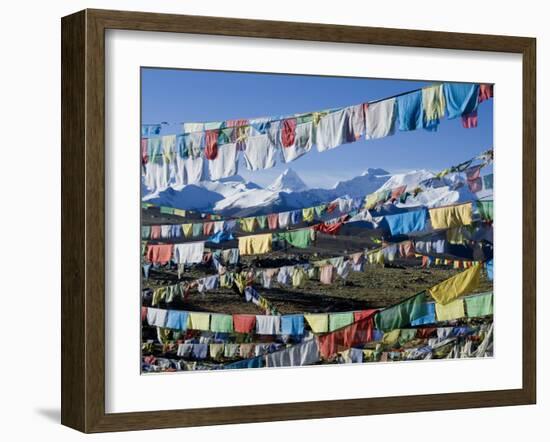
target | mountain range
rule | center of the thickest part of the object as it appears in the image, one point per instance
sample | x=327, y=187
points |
x=234, y=196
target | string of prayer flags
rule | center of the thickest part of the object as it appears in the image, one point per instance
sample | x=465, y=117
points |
x=401, y=223
x=251, y=295
x=221, y=144
x=325, y=271
x=397, y=345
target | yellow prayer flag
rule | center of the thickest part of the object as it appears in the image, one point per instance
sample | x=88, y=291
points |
x=317, y=322
x=308, y=214
x=168, y=147
x=199, y=321
x=299, y=277
x=452, y=310
x=391, y=337
x=255, y=244
x=247, y=224
x=368, y=354
x=187, y=230
x=454, y=216
x=179, y=212
x=456, y=286
x=216, y=350
x=371, y=200
x=376, y=257
x=433, y=101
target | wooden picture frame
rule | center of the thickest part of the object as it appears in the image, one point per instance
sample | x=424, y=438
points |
x=83, y=219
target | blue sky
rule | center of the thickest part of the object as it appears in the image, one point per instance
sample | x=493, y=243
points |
x=175, y=95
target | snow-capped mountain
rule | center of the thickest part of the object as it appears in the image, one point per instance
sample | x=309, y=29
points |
x=289, y=182
x=409, y=179
x=235, y=196
x=200, y=196
x=363, y=184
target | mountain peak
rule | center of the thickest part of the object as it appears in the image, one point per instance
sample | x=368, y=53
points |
x=375, y=171
x=288, y=181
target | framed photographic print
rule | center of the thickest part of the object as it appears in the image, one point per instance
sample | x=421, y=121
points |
x=267, y=221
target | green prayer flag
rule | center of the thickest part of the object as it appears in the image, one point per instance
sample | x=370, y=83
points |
x=297, y=238
x=262, y=221
x=167, y=210
x=221, y=323
x=145, y=232
x=304, y=118
x=402, y=314
x=339, y=320
x=319, y=210
x=479, y=305
x=485, y=209
x=406, y=335
x=197, y=230
x=225, y=135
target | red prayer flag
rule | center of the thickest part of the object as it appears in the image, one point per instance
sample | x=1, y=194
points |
x=208, y=228
x=425, y=332
x=485, y=92
x=211, y=144
x=469, y=121
x=273, y=221
x=359, y=332
x=288, y=134
x=244, y=323
x=159, y=253
x=144, y=156
x=331, y=229
x=155, y=232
